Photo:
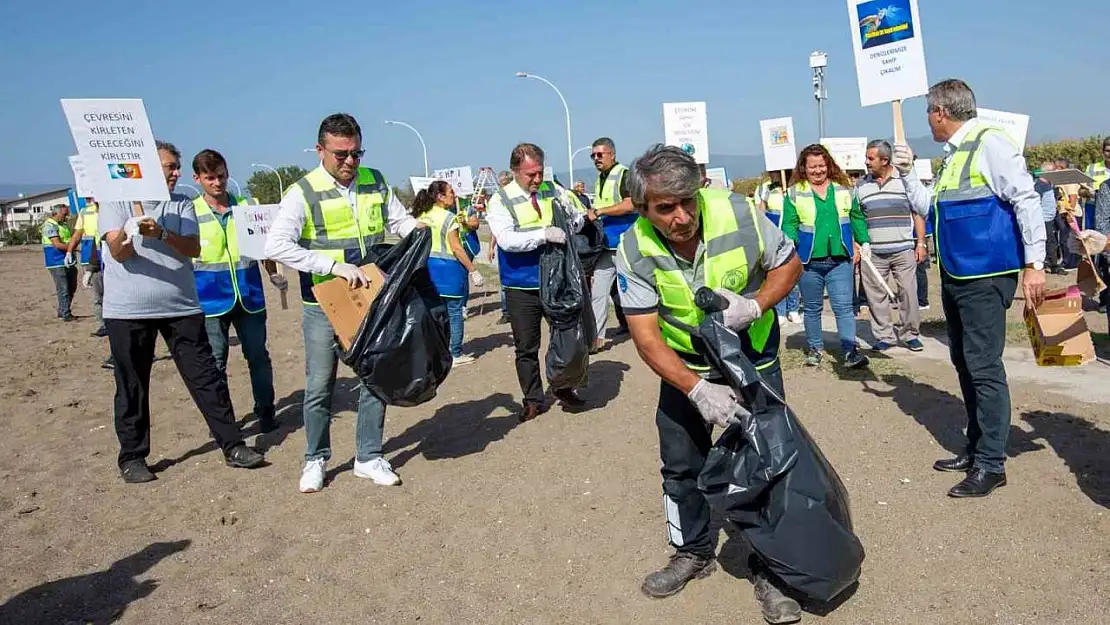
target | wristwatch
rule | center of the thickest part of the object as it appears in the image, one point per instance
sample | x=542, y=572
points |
x=164, y=235
x=1036, y=266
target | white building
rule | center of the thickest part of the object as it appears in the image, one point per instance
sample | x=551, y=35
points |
x=29, y=209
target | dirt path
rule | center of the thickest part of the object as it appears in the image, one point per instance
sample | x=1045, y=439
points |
x=553, y=521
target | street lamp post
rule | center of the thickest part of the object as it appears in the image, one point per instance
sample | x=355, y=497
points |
x=423, y=145
x=570, y=145
x=818, y=61
x=281, y=187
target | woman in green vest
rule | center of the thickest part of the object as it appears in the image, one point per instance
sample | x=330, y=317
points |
x=821, y=214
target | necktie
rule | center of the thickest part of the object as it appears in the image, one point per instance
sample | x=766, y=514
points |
x=536, y=205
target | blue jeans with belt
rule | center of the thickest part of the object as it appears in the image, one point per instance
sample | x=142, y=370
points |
x=321, y=355
x=835, y=275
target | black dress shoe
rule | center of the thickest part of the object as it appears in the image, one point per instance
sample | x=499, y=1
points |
x=527, y=412
x=978, y=483
x=110, y=363
x=136, y=472
x=100, y=333
x=243, y=457
x=960, y=464
x=569, y=397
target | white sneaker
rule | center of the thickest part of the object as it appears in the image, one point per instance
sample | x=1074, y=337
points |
x=312, y=477
x=794, y=316
x=463, y=359
x=378, y=470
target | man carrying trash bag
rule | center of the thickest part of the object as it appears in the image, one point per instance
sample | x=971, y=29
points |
x=687, y=238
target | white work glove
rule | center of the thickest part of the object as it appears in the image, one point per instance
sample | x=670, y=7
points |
x=902, y=159
x=551, y=234
x=476, y=279
x=279, y=281
x=741, y=311
x=1088, y=243
x=86, y=280
x=716, y=403
x=865, y=251
x=71, y=259
x=351, y=273
x=131, y=229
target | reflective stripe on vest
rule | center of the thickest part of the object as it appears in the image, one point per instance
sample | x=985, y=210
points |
x=53, y=256
x=801, y=196
x=609, y=194
x=977, y=233
x=733, y=250
x=448, y=274
x=331, y=227
x=521, y=270
x=1100, y=174
x=224, y=277
x=775, y=200
x=88, y=232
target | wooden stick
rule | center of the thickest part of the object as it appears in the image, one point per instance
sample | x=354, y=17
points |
x=137, y=209
x=899, y=127
x=284, y=300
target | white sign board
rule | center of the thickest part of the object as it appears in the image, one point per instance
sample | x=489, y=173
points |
x=685, y=126
x=252, y=224
x=419, y=183
x=718, y=177
x=923, y=167
x=890, y=54
x=116, y=145
x=549, y=174
x=848, y=152
x=80, y=176
x=462, y=178
x=1015, y=124
x=778, y=143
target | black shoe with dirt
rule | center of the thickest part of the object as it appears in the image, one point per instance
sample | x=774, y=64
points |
x=776, y=607
x=681, y=568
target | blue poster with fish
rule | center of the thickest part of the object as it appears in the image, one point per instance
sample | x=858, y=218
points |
x=890, y=57
x=884, y=21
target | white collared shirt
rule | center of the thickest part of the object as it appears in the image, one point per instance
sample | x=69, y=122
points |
x=500, y=220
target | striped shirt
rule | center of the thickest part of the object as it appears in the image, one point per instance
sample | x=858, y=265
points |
x=889, y=208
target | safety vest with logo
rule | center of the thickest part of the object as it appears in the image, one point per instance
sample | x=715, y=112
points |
x=977, y=233
x=88, y=232
x=1100, y=174
x=801, y=196
x=448, y=274
x=223, y=276
x=774, y=206
x=521, y=270
x=733, y=250
x=609, y=194
x=331, y=226
x=55, y=257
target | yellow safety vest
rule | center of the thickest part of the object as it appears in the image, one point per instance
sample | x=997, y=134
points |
x=52, y=255
x=89, y=233
x=447, y=272
x=224, y=277
x=521, y=270
x=801, y=196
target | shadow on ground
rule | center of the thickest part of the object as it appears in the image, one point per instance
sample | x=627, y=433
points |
x=455, y=430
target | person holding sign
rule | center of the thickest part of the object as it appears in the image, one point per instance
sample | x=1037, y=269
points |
x=326, y=226
x=988, y=229
x=230, y=286
x=449, y=264
x=149, y=290
x=691, y=237
x=823, y=218
x=617, y=215
x=85, y=237
x=60, y=261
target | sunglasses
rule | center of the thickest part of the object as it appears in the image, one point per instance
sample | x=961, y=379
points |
x=342, y=155
x=597, y=155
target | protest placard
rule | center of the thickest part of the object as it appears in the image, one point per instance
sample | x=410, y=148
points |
x=116, y=146
x=80, y=177
x=779, y=152
x=461, y=178
x=685, y=126
x=718, y=177
x=252, y=225
x=548, y=174
x=923, y=167
x=848, y=152
x=419, y=183
x=890, y=55
x=1015, y=124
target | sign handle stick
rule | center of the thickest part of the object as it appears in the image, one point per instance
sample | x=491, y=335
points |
x=137, y=209
x=879, y=276
x=284, y=299
x=899, y=127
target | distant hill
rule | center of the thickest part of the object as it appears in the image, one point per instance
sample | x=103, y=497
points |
x=9, y=190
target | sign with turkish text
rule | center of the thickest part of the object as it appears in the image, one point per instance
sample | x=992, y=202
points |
x=718, y=177
x=461, y=178
x=890, y=53
x=923, y=167
x=848, y=152
x=777, y=136
x=419, y=183
x=116, y=147
x=252, y=225
x=1015, y=124
x=685, y=126
x=80, y=177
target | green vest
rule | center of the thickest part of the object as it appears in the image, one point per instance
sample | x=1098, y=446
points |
x=52, y=255
x=1099, y=173
x=733, y=250
x=801, y=196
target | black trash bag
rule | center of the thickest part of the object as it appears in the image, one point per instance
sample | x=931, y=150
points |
x=565, y=298
x=770, y=478
x=402, y=350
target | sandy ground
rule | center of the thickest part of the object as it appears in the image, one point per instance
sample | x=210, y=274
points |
x=553, y=521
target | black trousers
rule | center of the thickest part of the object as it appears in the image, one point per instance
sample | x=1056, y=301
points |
x=132, y=342
x=1052, y=243
x=976, y=314
x=525, y=314
x=684, y=442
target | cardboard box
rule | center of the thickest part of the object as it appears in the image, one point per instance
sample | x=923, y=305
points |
x=346, y=307
x=1058, y=332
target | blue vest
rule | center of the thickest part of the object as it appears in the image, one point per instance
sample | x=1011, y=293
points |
x=609, y=194
x=448, y=274
x=977, y=233
x=521, y=270
x=223, y=277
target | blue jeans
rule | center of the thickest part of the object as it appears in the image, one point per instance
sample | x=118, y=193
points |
x=835, y=275
x=321, y=354
x=455, y=308
x=251, y=330
x=790, y=303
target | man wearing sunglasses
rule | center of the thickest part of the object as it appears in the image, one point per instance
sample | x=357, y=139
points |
x=617, y=215
x=327, y=224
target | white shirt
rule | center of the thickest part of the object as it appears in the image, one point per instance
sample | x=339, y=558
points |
x=1003, y=165
x=281, y=243
x=500, y=220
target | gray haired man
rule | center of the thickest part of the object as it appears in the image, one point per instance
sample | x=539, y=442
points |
x=895, y=204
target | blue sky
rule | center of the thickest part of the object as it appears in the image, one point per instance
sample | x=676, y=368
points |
x=253, y=80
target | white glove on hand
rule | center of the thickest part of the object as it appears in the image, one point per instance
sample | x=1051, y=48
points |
x=741, y=311
x=131, y=229
x=716, y=403
x=280, y=281
x=865, y=251
x=551, y=234
x=351, y=273
x=902, y=159
x=476, y=279
x=1088, y=243
x=86, y=280
x=70, y=259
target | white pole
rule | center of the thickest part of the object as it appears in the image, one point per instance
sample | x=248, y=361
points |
x=281, y=187
x=423, y=145
x=570, y=145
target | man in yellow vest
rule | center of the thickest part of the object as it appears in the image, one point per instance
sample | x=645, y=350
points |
x=56, y=236
x=520, y=217
x=85, y=236
x=617, y=215
x=325, y=228
x=691, y=237
x=1099, y=172
x=229, y=286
